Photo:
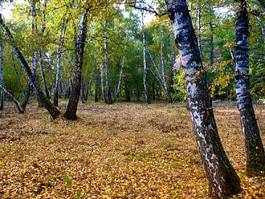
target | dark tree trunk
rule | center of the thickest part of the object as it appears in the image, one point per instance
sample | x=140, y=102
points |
x=253, y=143
x=1, y=76
x=43, y=99
x=70, y=113
x=223, y=180
x=27, y=93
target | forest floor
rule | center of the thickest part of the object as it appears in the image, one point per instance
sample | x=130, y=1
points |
x=124, y=150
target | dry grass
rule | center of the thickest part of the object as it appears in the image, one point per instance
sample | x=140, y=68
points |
x=118, y=151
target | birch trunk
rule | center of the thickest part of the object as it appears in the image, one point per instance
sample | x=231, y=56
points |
x=199, y=25
x=173, y=60
x=54, y=112
x=146, y=97
x=1, y=76
x=70, y=113
x=163, y=67
x=102, y=82
x=58, y=81
x=253, y=143
x=43, y=28
x=222, y=178
x=119, y=81
x=35, y=53
x=108, y=97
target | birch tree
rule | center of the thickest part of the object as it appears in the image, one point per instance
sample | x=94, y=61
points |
x=70, y=113
x=223, y=180
x=58, y=77
x=54, y=112
x=253, y=143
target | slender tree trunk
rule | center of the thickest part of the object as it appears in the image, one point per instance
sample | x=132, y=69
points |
x=108, y=98
x=102, y=82
x=58, y=80
x=211, y=44
x=199, y=24
x=17, y=103
x=1, y=76
x=43, y=75
x=146, y=97
x=35, y=53
x=163, y=67
x=27, y=93
x=43, y=28
x=223, y=180
x=119, y=81
x=253, y=143
x=70, y=113
x=173, y=59
x=44, y=100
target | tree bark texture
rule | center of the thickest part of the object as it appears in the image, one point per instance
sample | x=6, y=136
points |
x=253, y=143
x=70, y=113
x=222, y=178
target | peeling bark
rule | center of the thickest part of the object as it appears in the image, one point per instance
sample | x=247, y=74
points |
x=222, y=178
x=253, y=143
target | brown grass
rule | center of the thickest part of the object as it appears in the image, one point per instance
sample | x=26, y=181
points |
x=118, y=151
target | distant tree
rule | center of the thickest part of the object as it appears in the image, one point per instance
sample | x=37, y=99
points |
x=223, y=180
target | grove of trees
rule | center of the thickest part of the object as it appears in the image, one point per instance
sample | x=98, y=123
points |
x=57, y=51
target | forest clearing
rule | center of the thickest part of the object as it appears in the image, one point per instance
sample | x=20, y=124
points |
x=125, y=150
